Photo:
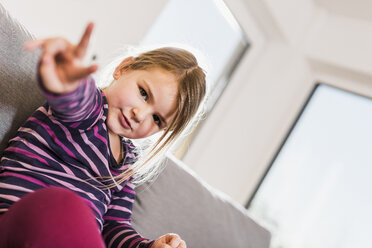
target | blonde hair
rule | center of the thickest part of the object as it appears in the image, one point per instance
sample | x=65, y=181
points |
x=191, y=81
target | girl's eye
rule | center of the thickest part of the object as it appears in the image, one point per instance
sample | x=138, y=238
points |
x=156, y=120
x=143, y=93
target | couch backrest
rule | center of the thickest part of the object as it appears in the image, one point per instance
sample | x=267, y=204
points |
x=181, y=202
x=19, y=94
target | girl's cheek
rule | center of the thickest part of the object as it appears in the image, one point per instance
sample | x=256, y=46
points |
x=130, y=101
x=146, y=129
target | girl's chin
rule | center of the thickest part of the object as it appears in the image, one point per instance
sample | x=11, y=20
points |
x=124, y=133
x=117, y=130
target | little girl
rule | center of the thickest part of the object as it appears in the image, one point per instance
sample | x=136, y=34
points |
x=67, y=178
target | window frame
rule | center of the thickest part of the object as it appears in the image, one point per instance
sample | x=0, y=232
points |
x=351, y=89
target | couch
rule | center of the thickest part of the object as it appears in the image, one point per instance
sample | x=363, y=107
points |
x=177, y=201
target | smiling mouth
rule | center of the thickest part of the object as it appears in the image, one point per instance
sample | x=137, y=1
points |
x=124, y=122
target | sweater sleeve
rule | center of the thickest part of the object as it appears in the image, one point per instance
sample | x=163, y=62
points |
x=117, y=228
x=80, y=108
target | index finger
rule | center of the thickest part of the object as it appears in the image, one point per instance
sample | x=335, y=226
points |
x=82, y=46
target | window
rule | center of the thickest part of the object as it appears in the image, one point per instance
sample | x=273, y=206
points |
x=318, y=190
x=209, y=27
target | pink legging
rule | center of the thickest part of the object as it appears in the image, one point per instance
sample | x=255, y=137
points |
x=50, y=217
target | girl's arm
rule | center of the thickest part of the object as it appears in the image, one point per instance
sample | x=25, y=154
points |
x=80, y=108
x=117, y=228
x=71, y=94
x=118, y=231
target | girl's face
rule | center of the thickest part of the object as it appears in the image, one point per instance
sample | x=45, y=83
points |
x=140, y=102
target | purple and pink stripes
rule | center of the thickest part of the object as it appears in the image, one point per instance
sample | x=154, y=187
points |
x=65, y=144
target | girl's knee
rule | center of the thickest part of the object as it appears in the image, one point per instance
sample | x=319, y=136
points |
x=57, y=195
x=48, y=199
x=51, y=193
x=50, y=207
x=49, y=216
x=58, y=203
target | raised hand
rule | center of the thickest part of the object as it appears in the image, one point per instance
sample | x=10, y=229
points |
x=61, y=64
x=169, y=240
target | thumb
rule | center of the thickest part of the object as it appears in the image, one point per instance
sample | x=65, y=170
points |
x=173, y=240
x=47, y=69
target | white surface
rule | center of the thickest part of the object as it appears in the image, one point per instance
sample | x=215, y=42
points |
x=289, y=54
x=320, y=181
x=356, y=9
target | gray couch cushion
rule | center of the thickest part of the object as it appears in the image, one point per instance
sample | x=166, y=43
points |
x=178, y=201
x=19, y=95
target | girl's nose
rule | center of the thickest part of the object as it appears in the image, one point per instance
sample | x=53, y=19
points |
x=139, y=114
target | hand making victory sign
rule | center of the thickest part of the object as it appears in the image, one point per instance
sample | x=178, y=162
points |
x=61, y=65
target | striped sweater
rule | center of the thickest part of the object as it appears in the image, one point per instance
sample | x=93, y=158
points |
x=65, y=143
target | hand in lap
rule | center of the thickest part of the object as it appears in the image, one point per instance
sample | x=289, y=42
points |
x=169, y=240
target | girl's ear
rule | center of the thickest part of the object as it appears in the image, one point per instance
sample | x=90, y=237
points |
x=123, y=66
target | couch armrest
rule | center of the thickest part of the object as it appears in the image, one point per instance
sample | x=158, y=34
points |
x=19, y=96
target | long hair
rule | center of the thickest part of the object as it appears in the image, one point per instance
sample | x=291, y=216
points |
x=191, y=91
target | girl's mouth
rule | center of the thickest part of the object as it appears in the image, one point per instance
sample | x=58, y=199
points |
x=124, y=122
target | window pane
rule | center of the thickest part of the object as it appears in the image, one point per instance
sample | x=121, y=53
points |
x=318, y=192
x=206, y=25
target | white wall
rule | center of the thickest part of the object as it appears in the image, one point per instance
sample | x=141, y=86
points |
x=295, y=44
